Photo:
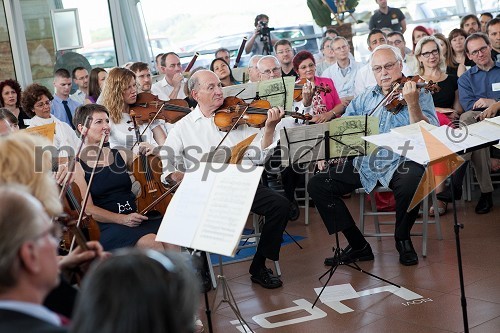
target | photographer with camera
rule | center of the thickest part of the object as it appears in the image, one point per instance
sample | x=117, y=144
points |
x=260, y=42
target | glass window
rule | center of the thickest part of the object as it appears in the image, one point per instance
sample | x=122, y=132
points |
x=6, y=61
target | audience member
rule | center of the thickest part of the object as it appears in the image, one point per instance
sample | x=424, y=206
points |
x=410, y=64
x=365, y=77
x=484, y=18
x=224, y=54
x=470, y=24
x=172, y=84
x=328, y=57
x=284, y=53
x=81, y=79
x=418, y=33
x=452, y=68
x=387, y=17
x=221, y=68
x=63, y=107
x=97, y=78
x=10, y=99
x=164, y=282
x=457, y=41
x=493, y=32
x=344, y=71
x=253, y=71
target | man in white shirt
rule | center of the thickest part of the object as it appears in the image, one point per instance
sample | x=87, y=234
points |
x=172, y=85
x=81, y=79
x=196, y=134
x=364, y=77
x=344, y=71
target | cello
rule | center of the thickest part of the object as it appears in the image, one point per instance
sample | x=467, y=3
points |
x=147, y=171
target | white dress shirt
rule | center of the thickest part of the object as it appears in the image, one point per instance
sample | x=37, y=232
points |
x=364, y=79
x=343, y=84
x=195, y=135
x=78, y=96
x=163, y=89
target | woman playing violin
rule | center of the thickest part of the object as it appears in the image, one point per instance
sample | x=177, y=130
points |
x=111, y=201
x=221, y=68
x=119, y=93
x=325, y=105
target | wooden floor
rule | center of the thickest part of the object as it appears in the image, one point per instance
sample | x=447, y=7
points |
x=432, y=288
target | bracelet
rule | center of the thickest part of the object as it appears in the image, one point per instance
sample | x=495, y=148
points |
x=334, y=115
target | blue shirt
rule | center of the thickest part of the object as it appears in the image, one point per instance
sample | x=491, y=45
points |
x=381, y=167
x=57, y=109
x=476, y=83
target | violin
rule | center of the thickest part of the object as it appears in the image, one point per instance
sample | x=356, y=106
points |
x=234, y=112
x=88, y=227
x=148, y=107
x=147, y=171
x=395, y=100
x=297, y=91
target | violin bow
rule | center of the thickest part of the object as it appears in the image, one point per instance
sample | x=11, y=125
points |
x=72, y=161
x=386, y=97
x=160, y=198
x=87, y=193
x=149, y=123
x=240, y=52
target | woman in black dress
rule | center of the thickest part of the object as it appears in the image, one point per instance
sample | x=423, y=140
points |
x=111, y=201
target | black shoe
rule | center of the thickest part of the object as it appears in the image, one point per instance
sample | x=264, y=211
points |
x=294, y=212
x=407, y=254
x=484, y=204
x=348, y=255
x=445, y=196
x=266, y=279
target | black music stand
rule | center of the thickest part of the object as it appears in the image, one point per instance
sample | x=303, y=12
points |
x=356, y=150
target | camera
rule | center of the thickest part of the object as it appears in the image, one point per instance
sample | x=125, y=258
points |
x=262, y=24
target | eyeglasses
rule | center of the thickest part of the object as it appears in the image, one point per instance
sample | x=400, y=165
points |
x=42, y=104
x=388, y=67
x=482, y=50
x=311, y=65
x=284, y=51
x=53, y=231
x=275, y=70
x=434, y=52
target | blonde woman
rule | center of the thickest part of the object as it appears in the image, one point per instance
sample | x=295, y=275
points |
x=118, y=94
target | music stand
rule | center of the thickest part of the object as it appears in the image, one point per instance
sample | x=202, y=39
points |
x=320, y=149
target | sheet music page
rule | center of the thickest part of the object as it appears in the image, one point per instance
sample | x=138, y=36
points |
x=226, y=210
x=273, y=91
x=186, y=209
x=417, y=150
x=458, y=139
x=47, y=131
x=210, y=208
x=246, y=92
x=495, y=120
x=305, y=143
x=414, y=128
x=348, y=131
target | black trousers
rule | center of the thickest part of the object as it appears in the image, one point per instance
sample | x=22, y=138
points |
x=326, y=189
x=274, y=207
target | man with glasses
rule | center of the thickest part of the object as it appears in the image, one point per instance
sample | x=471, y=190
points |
x=284, y=53
x=478, y=89
x=343, y=71
x=410, y=63
x=382, y=168
x=81, y=79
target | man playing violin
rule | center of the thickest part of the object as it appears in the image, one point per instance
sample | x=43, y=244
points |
x=383, y=168
x=196, y=134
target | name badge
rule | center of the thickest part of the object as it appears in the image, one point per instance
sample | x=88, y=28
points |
x=394, y=21
x=495, y=86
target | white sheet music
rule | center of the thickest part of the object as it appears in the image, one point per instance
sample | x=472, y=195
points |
x=210, y=214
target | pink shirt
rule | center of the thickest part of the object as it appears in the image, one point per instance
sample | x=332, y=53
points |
x=331, y=99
